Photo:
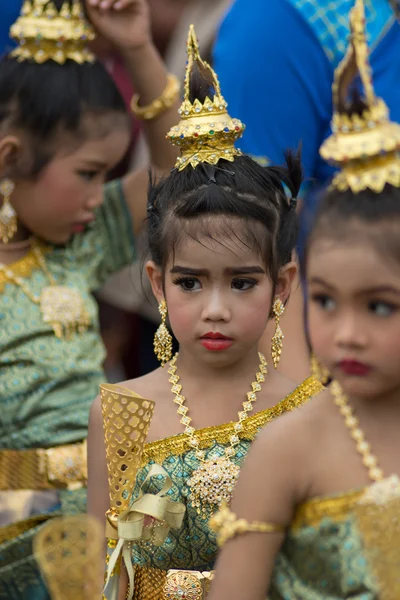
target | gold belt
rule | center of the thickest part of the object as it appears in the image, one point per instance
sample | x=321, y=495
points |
x=63, y=467
x=155, y=584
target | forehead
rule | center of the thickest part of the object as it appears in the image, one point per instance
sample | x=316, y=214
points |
x=215, y=251
x=351, y=267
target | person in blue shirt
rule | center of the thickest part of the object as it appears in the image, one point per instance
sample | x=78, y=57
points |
x=9, y=11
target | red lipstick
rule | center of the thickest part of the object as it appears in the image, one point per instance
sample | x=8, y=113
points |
x=353, y=367
x=215, y=342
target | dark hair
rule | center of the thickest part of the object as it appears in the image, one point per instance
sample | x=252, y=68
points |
x=45, y=99
x=243, y=190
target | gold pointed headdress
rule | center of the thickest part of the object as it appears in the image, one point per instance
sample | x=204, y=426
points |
x=43, y=33
x=206, y=132
x=366, y=144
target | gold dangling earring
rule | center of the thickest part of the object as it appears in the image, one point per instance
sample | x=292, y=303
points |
x=8, y=216
x=318, y=371
x=163, y=338
x=278, y=309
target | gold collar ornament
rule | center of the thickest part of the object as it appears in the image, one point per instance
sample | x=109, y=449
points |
x=364, y=145
x=43, y=33
x=206, y=132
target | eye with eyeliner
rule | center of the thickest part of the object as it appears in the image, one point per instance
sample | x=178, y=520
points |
x=242, y=284
x=188, y=283
x=88, y=175
x=324, y=301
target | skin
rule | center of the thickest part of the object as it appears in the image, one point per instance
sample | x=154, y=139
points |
x=221, y=288
x=354, y=313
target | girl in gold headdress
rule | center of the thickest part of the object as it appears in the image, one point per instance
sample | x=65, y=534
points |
x=221, y=232
x=326, y=524
x=63, y=126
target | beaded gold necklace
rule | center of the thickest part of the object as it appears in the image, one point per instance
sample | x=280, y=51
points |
x=213, y=482
x=61, y=306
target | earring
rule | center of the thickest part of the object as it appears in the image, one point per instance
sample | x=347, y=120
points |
x=163, y=338
x=8, y=216
x=318, y=371
x=278, y=309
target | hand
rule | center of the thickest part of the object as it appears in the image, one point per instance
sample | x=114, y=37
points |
x=124, y=23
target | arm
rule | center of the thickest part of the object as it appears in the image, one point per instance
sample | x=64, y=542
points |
x=271, y=483
x=128, y=29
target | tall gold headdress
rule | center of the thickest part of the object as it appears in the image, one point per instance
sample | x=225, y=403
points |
x=43, y=33
x=366, y=144
x=206, y=132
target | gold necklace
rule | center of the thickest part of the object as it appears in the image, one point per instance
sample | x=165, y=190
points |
x=369, y=460
x=62, y=307
x=213, y=482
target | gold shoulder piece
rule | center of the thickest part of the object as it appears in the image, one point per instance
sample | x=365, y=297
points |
x=227, y=526
x=206, y=132
x=364, y=145
x=126, y=422
x=43, y=33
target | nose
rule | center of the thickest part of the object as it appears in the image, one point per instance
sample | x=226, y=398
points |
x=349, y=331
x=96, y=198
x=216, y=307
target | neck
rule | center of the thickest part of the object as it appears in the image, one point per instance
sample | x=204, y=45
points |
x=212, y=375
x=387, y=403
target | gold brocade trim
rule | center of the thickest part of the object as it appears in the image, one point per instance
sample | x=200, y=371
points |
x=9, y=532
x=25, y=266
x=176, y=445
x=112, y=544
x=335, y=507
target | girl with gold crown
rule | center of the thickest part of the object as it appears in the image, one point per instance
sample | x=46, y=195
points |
x=221, y=232
x=63, y=126
x=326, y=524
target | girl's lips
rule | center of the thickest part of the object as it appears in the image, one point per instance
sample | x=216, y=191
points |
x=216, y=344
x=353, y=367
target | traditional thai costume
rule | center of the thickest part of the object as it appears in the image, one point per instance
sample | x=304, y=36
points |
x=51, y=353
x=199, y=468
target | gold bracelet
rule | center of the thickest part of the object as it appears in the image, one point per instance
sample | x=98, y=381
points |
x=160, y=104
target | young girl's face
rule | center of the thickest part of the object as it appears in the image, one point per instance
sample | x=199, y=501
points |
x=61, y=201
x=219, y=296
x=354, y=315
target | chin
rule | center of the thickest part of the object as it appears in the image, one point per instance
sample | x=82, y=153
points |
x=359, y=387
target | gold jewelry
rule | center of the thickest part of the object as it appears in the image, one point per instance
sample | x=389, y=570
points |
x=8, y=216
x=320, y=373
x=160, y=104
x=365, y=146
x=227, y=526
x=278, y=309
x=62, y=307
x=43, y=33
x=206, y=132
x=163, y=338
x=213, y=482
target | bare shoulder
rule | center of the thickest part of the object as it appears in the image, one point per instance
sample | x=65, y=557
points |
x=149, y=386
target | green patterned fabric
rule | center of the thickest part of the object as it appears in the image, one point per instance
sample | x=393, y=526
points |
x=194, y=545
x=323, y=561
x=47, y=385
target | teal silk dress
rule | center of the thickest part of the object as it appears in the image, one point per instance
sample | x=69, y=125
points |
x=194, y=545
x=323, y=557
x=47, y=385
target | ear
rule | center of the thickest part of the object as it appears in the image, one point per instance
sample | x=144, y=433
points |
x=154, y=274
x=10, y=155
x=287, y=274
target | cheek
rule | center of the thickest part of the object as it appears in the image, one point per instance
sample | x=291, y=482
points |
x=319, y=330
x=63, y=191
x=183, y=312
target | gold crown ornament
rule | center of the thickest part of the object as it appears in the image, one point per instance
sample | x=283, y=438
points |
x=206, y=132
x=43, y=33
x=365, y=145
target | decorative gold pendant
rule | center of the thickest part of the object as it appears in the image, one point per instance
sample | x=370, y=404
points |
x=212, y=484
x=182, y=584
x=64, y=309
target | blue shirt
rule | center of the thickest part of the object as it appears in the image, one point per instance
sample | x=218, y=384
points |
x=9, y=12
x=276, y=60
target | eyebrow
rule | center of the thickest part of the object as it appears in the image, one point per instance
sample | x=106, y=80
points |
x=97, y=164
x=373, y=290
x=251, y=269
